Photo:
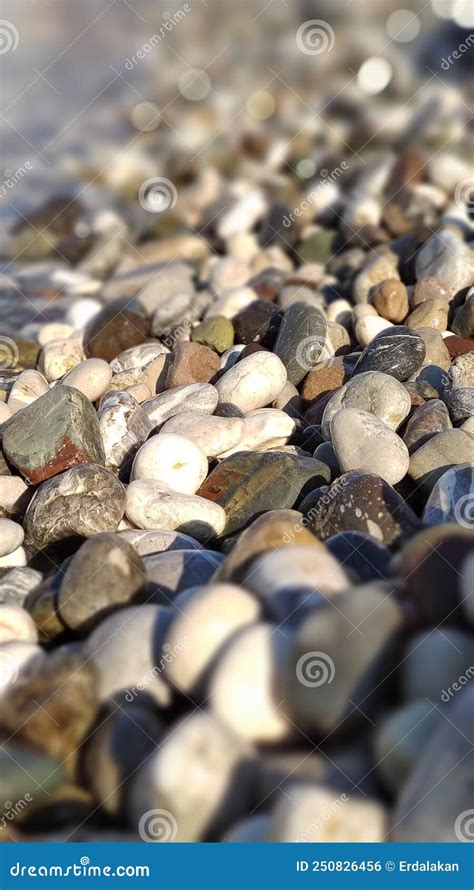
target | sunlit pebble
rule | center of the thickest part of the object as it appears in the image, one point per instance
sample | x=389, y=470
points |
x=463, y=13
x=374, y=75
x=145, y=116
x=403, y=26
x=261, y=105
x=194, y=85
x=306, y=168
x=443, y=8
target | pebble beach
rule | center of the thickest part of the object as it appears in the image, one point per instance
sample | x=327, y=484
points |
x=237, y=427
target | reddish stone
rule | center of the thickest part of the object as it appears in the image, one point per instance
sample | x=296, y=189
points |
x=192, y=363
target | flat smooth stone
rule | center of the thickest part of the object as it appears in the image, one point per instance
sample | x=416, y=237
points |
x=148, y=542
x=214, y=435
x=200, y=397
x=152, y=505
x=11, y=536
x=247, y=484
x=362, y=442
x=397, y=351
x=173, y=460
x=91, y=377
x=254, y=382
x=301, y=340
x=431, y=460
x=426, y=421
x=379, y=394
x=170, y=573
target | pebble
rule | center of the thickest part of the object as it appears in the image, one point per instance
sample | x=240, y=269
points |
x=334, y=681
x=217, y=771
x=200, y=397
x=263, y=430
x=173, y=460
x=231, y=302
x=360, y=555
x=60, y=356
x=16, y=584
x=397, y=351
x=366, y=503
x=461, y=372
x=433, y=661
x=324, y=378
x=103, y=575
x=438, y=454
x=202, y=628
x=391, y=300
x=301, y=340
x=448, y=258
x=367, y=327
x=429, y=288
x=171, y=573
x=289, y=401
x=426, y=422
x=216, y=332
x=28, y=387
x=192, y=363
x=258, y=323
x=112, y=330
x=16, y=625
x=91, y=377
x=140, y=356
x=11, y=536
x=429, y=314
x=254, y=382
x=146, y=543
x=213, y=435
x=275, y=577
x=374, y=392
x=460, y=403
x=362, y=442
x=248, y=483
x=26, y=774
x=124, y=427
x=252, y=660
x=15, y=496
x=124, y=650
x=152, y=505
x=452, y=497
x=15, y=558
x=310, y=813
x=83, y=501
x=398, y=740
x=57, y=431
x=463, y=322
x=435, y=804
x=377, y=270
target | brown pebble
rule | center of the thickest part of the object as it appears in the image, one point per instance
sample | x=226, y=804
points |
x=192, y=363
x=458, y=345
x=429, y=314
x=391, y=300
x=323, y=379
x=112, y=331
x=430, y=288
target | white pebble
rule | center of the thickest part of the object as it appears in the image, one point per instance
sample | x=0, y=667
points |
x=254, y=382
x=14, y=494
x=264, y=429
x=60, y=356
x=368, y=326
x=54, y=330
x=5, y=412
x=15, y=558
x=82, y=311
x=171, y=459
x=138, y=356
x=232, y=302
x=200, y=397
x=16, y=624
x=28, y=387
x=91, y=377
x=213, y=435
x=152, y=505
x=11, y=536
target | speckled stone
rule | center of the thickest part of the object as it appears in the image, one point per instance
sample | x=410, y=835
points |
x=398, y=351
x=192, y=363
x=429, y=314
x=247, y=484
x=452, y=497
x=379, y=394
x=301, y=339
x=57, y=431
x=216, y=332
x=460, y=402
x=112, y=331
x=365, y=503
x=82, y=501
x=103, y=575
x=124, y=427
x=258, y=323
x=426, y=421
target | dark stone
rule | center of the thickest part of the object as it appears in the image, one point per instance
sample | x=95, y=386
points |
x=301, y=339
x=397, y=351
x=249, y=483
x=258, y=323
x=429, y=419
x=170, y=573
x=113, y=330
x=361, y=555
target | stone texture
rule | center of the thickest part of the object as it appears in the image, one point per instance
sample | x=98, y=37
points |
x=324, y=378
x=431, y=460
x=301, y=340
x=216, y=332
x=57, y=431
x=379, y=394
x=452, y=497
x=391, y=300
x=426, y=421
x=192, y=363
x=398, y=351
x=362, y=442
x=112, y=331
